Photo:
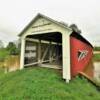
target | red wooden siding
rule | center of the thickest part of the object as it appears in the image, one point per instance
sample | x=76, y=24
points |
x=81, y=54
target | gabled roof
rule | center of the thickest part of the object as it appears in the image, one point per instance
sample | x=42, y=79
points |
x=41, y=15
x=58, y=23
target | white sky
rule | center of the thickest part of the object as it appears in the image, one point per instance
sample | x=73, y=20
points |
x=16, y=14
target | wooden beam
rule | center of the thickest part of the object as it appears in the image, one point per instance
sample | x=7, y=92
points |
x=42, y=41
x=31, y=64
x=37, y=63
x=45, y=52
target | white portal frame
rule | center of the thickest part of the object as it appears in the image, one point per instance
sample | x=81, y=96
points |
x=65, y=54
x=53, y=27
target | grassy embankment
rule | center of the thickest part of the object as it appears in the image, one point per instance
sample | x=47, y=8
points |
x=44, y=84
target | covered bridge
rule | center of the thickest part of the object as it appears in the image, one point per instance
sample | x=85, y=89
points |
x=46, y=42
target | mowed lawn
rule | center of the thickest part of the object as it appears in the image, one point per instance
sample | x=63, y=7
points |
x=44, y=84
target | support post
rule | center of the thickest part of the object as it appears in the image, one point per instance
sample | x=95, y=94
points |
x=22, y=53
x=39, y=52
x=66, y=57
x=50, y=53
x=57, y=52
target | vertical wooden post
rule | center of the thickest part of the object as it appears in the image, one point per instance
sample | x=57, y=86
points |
x=66, y=57
x=50, y=53
x=22, y=53
x=57, y=52
x=39, y=52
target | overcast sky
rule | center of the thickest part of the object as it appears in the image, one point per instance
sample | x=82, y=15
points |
x=16, y=14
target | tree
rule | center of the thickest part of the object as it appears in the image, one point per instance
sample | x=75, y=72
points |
x=1, y=44
x=11, y=47
x=75, y=28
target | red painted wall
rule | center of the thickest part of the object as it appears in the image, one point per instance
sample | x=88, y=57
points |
x=76, y=63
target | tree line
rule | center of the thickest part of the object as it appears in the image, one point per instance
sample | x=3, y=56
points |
x=10, y=49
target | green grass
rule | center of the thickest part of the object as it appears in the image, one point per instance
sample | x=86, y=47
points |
x=96, y=57
x=44, y=84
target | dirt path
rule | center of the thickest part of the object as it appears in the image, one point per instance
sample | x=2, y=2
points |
x=96, y=52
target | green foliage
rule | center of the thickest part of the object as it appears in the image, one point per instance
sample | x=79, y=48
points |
x=13, y=50
x=1, y=44
x=3, y=54
x=97, y=48
x=44, y=84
